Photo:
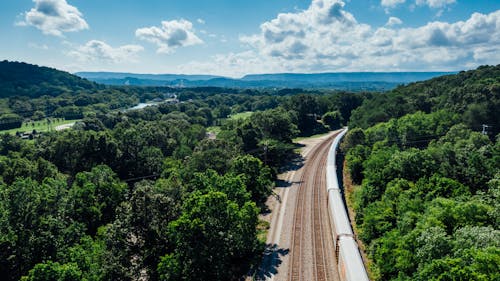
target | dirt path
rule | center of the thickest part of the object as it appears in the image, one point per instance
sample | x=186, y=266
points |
x=299, y=245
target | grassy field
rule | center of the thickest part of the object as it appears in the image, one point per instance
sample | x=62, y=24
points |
x=40, y=126
x=242, y=115
x=237, y=116
x=214, y=129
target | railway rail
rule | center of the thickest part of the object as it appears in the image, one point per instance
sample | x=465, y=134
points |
x=312, y=180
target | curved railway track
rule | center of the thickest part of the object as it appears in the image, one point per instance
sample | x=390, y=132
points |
x=311, y=194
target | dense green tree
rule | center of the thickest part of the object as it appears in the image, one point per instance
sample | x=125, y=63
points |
x=257, y=177
x=10, y=121
x=333, y=120
x=94, y=196
x=53, y=271
x=34, y=226
x=88, y=256
x=214, y=237
x=137, y=238
x=212, y=154
x=307, y=110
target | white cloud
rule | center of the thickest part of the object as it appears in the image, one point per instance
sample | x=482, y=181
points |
x=232, y=64
x=394, y=21
x=201, y=21
x=325, y=37
x=38, y=46
x=170, y=35
x=95, y=50
x=435, y=3
x=54, y=17
x=391, y=3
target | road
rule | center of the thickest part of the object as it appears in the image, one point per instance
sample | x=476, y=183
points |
x=299, y=239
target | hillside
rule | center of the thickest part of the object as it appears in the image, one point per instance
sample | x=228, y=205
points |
x=149, y=77
x=474, y=94
x=427, y=176
x=22, y=79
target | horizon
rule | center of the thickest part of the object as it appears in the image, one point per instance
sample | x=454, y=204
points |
x=222, y=38
x=263, y=74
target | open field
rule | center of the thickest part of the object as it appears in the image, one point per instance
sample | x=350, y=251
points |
x=39, y=126
x=238, y=116
x=241, y=115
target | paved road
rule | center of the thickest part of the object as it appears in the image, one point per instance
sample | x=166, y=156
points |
x=299, y=239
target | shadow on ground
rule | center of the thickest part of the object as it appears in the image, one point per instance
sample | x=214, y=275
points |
x=272, y=259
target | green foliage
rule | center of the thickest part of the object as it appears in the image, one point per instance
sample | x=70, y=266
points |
x=233, y=186
x=307, y=109
x=213, y=237
x=333, y=120
x=417, y=207
x=353, y=138
x=212, y=154
x=427, y=205
x=145, y=217
x=473, y=94
x=53, y=271
x=21, y=79
x=34, y=226
x=69, y=112
x=94, y=196
x=275, y=124
x=88, y=256
x=10, y=121
x=256, y=177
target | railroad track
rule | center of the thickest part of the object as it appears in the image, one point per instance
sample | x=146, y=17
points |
x=312, y=180
x=319, y=205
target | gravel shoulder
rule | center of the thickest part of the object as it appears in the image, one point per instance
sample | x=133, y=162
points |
x=275, y=264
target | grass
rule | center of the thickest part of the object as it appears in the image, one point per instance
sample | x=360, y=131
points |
x=40, y=126
x=241, y=115
x=238, y=116
x=262, y=229
x=214, y=129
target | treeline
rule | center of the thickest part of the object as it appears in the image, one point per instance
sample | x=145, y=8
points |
x=145, y=194
x=475, y=95
x=32, y=93
x=427, y=201
x=145, y=198
x=22, y=79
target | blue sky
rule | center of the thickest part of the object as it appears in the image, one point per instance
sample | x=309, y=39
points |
x=234, y=38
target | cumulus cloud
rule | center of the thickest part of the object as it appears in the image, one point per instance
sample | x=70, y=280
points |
x=325, y=37
x=54, y=17
x=394, y=21
x=435, y=3
x=170, y=35
x=95, y=50
x=391, y=3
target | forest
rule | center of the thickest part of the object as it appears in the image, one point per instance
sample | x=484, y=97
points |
x=428, y=178
x=145, y=194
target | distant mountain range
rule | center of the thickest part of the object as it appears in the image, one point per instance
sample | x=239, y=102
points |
x=343, y=80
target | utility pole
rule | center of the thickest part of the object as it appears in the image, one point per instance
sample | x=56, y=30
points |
x=265, y=154
x=485, y=129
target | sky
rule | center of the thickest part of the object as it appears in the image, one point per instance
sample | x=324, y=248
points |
x=234, y=38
